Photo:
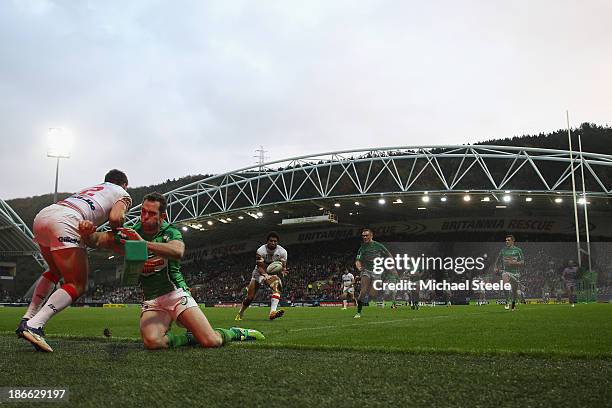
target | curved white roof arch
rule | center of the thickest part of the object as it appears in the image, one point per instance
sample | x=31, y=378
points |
x=389, y=170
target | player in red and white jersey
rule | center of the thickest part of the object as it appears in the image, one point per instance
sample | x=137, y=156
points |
x=56, y=233
x=348, y=288
x=265, y=255
x=96, y=203
x=570, y=277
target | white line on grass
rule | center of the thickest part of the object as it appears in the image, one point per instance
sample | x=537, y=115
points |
x=368, y=323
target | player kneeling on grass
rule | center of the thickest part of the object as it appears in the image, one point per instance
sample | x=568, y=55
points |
x=166, y=295
x=268, y=256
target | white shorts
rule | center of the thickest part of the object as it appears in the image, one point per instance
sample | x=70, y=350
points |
x=257, y=277
x=57, y=227
x=174, y=303
x=350, y=290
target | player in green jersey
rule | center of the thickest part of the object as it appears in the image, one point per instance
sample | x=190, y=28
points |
x=509, y=262
x=166, y=295
x=364, y=262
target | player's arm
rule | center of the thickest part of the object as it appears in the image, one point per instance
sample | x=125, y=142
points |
x=261, y=265
x=102, y=240
x=284, y=271
x=521, y=260
x=173, y=249
x=283, y=260
x=358, y=263
x=387, y=254
x=116, y=217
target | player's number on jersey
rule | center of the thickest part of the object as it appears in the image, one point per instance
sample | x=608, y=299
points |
x=90, y=191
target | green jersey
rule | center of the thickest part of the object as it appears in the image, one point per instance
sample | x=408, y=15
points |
x=368, y=252
x=167, y=277
x=508, y=254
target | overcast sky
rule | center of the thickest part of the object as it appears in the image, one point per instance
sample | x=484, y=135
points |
x=163, y=89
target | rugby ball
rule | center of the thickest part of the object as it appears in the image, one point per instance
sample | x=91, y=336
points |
x=275, y=267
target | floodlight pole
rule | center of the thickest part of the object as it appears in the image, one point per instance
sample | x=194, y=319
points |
x=57, y=154
x=584, y=201
x=569, y=137
x=56, y=178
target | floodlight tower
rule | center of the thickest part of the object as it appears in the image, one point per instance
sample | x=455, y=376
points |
x=58, y=148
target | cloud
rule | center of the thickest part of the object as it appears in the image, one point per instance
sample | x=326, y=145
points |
x=167, y=89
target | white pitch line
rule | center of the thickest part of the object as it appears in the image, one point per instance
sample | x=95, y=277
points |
x=369, y=323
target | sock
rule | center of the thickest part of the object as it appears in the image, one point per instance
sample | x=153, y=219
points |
x=344, y=304
x=245, y=304
x=227, y=335
x=177, y=340
x=44, y=287
x=359, y=306
x=58, y=301
x=274, y=299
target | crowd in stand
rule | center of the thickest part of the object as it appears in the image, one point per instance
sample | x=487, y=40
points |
x=315, y=272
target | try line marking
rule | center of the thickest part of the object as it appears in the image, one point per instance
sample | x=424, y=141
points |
x=369, y=323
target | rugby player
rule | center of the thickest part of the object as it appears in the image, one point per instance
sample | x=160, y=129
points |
x=166, y=295
x=348, y=288
x=570, y=276
x=509, y=261
x=264, y=256
x=56, y=233
x=364, y=262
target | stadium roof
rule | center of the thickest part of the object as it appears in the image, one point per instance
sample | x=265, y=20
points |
x=393, y=172
x=408, y=179
x=15, y=236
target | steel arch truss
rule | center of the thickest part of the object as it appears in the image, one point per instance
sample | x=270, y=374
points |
x=397, y=170
x=15, y=236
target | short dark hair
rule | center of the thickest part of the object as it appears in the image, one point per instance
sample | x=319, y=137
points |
x=157, y=197
x=116, y=177
x=272, y=234
x=510, y=236
x=369, y=230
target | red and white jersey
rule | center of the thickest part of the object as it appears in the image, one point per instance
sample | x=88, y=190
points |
x=95, y=203
x=347, y=280
x=278, y=254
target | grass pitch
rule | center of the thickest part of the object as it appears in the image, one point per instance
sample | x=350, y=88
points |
x=541, y=355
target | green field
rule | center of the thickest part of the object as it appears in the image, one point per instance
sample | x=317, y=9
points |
x=541, y=355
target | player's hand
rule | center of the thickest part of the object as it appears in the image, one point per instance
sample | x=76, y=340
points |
x=284, y=272
x=128, y=234
x=86, y=228
x=151, y=264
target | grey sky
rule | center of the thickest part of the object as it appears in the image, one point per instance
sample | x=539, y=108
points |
x=163, y=89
